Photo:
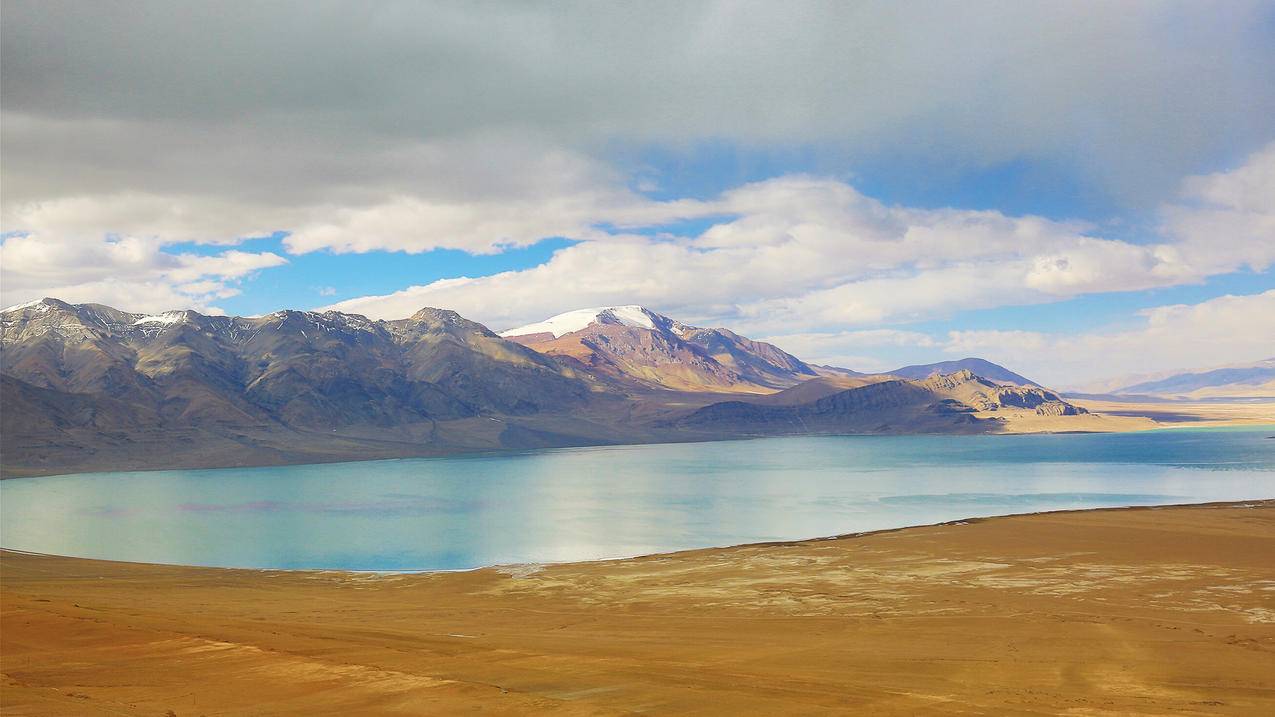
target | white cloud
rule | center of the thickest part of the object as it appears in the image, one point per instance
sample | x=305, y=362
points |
x=479, y=194
x=1247, y=189
x=416, y=225
x=131, y=272
x=1227, y=219
x=175, y=218
x=970, y=342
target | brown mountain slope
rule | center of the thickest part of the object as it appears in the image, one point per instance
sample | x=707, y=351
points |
x=647, y=358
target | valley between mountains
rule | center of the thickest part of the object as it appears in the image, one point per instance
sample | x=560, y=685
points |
x=87, y=387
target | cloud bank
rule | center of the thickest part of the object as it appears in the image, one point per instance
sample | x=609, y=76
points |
x=361, y=126
x=130, y=127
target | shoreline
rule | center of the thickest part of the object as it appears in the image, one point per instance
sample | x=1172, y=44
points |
x=970, y=520
x=1202, y=425
x=1132, y=610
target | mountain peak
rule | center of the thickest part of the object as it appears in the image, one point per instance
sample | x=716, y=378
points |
x=39, y=305
x=429, y=313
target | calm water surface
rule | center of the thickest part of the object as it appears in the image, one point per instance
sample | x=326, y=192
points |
x=587, y=503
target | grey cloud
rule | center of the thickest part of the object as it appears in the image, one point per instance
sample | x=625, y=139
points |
x=305, y=102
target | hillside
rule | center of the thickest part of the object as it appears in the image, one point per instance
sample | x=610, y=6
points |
x=959, y=402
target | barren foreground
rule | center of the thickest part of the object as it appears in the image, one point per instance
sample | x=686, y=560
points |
x=1144, y=610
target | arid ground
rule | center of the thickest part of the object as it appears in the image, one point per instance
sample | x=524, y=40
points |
x=1148, y=611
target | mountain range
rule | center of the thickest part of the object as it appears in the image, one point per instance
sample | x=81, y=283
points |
x=1255, y=380
x=89, y=387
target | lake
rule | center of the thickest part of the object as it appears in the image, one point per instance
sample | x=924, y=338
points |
x=589, y=503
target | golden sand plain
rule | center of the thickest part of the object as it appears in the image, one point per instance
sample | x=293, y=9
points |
x=1131, y=611
x=1182, y=414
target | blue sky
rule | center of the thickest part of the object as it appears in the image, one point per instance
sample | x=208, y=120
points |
x=313, y=280
x=1084, y=190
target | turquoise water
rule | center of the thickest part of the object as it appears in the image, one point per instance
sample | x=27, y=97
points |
x=587, y=503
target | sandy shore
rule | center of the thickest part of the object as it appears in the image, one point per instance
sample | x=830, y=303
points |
x=1152, y=611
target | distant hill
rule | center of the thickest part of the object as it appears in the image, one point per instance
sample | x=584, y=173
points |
x=635, y=344
x=978, y=366
x=836, y=371
x=1255, y=380
x=958, y=402
x=812, y=390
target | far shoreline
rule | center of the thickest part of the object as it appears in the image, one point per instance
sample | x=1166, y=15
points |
x=1202, y=425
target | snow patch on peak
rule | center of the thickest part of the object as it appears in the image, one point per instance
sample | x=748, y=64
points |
x=573, y=321
x=168, y=318
x=354, y=322
x=37, y=304
x=630, y=316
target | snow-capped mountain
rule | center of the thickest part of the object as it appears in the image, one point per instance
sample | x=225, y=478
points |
x=638, y=345
x=573, y=321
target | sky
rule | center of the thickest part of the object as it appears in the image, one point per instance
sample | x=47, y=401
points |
x=1083, y=191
